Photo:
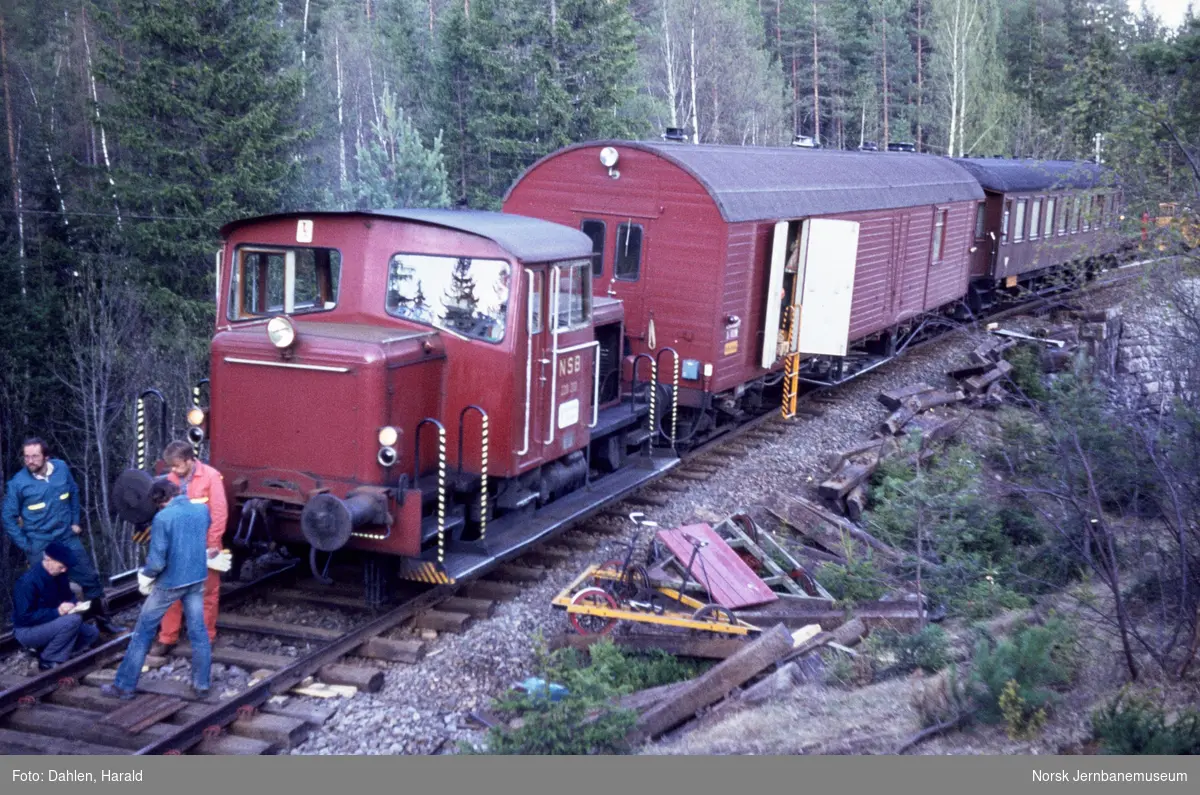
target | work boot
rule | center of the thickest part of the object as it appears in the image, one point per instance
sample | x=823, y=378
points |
x=160, y=649
x=104, y=622
x=201, y=693
x=45, y=665
x=112, y=691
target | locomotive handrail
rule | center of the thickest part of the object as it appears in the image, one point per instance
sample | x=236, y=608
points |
x=674, y=390
x=139, y=424
x=441, y=482
x=553, y=282
x=483, y=462
x=653, y=389
x=528, y=358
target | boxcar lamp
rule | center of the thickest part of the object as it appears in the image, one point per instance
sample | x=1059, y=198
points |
x=195, y=416
x=388, y=436
x=281, y=331
x=608, y=159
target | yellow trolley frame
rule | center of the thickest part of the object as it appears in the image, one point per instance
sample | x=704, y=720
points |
x=594, y=600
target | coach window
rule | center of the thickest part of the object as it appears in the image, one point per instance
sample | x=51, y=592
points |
x=980, y=221
x=1049, y=228
x=1004, y=221
x=573, y=301
x=1085, y=217
x=627, y=264
x=1019, y=222
x=939, y=234
x=596, y=230
x=267, y=281
x=463, y=295
x=1035, y=219
x=1075, y=208
x=1063, y=210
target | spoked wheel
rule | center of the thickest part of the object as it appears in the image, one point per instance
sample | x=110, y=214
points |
x=588, y=624
x=714, y=614
x=804, y=580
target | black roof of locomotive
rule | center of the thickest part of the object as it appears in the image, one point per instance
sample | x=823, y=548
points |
x=1020, y=176
x=528, y=239
x=756, y=183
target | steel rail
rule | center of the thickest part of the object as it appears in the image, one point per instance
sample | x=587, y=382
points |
x=184, y=737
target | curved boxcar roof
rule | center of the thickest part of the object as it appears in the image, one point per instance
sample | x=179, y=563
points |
x=1018, y=176
x=528, y=239
x=754, y=183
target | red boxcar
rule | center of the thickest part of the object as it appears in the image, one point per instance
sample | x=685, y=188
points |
x=721, y=251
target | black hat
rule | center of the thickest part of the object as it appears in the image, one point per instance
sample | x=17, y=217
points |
x=60, y=552
x=131, y=497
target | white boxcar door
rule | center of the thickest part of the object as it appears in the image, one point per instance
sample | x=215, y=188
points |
x=828, y=255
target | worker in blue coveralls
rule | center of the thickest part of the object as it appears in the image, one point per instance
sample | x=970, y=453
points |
x=176, y=569
x=46, y=618
x=41, y=505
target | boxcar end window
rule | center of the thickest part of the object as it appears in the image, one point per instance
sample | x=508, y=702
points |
x=573, y=303
x=267, y=280
x=939, y=234
x=1049, y=229
x=1019, y=222
x=1035, y=219
x=627, y=262
x=595, y=230
x=980, y=221
x=463, y=295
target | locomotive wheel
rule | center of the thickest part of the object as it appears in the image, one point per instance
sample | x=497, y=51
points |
x=593, y=625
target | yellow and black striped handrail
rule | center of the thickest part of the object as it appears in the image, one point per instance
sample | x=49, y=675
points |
x=483, y=462
x=441, y=479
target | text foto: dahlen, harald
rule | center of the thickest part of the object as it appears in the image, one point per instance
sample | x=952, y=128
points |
x=79, y=776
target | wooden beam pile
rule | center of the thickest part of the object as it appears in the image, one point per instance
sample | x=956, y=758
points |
x=913, y=410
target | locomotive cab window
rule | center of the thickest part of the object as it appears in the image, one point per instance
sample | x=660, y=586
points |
x=627, y=264
x=462, y=295
x=268, y=281
x=573, y=300
x=596, y=231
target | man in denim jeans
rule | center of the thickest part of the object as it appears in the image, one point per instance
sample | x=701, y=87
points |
x=176, y=569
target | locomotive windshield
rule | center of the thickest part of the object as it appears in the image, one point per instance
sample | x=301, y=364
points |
x=465, y=295
x=267, y=281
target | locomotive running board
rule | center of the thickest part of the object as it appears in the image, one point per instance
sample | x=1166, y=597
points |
x=513, y=535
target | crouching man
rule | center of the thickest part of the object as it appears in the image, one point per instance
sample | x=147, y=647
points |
x=176, y=569
x=44, y=617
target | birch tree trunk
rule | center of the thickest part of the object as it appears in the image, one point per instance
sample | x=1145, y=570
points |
x=669, y=56
x=815, y=79
x=304, y=52
x=692, y=67
x=337, y=63
x=12, y=158
x=91, y=76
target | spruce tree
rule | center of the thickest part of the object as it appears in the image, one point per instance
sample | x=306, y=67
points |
x=203, y=100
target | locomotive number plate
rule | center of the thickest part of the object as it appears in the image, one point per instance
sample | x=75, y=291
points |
x=568, y=414
x=304, y=231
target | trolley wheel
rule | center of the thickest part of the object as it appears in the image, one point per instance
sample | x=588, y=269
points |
x=593, y=625
x=635, y=584
x=714, y=614
x=611, y=567
x=804, y=580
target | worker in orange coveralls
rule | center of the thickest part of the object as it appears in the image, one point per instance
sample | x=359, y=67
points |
x=202, y=484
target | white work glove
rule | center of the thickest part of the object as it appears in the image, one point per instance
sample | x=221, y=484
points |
x=222, y=561
x=145, y=584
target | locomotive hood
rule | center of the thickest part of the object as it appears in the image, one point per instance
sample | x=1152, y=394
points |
x=320, y=344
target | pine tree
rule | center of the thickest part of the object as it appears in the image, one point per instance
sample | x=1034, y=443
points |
x=394, y=169
x=461, y=303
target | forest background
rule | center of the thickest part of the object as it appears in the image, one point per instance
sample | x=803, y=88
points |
x=133, y=129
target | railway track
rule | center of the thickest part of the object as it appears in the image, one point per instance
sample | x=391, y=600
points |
x=62, y=712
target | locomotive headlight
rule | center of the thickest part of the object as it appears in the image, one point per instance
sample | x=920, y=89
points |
x=388, y=436
x=387, y=456
x=281, y=332
x=195, y=416
x=608, y=157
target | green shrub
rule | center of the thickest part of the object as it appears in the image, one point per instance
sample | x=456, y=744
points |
x=1027, y=372
x=1022, y=721
x=1035, y=659
x=860, y=580
x=1133, y=725
x=927, y=649
x=985, y=599
x=584, y=721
